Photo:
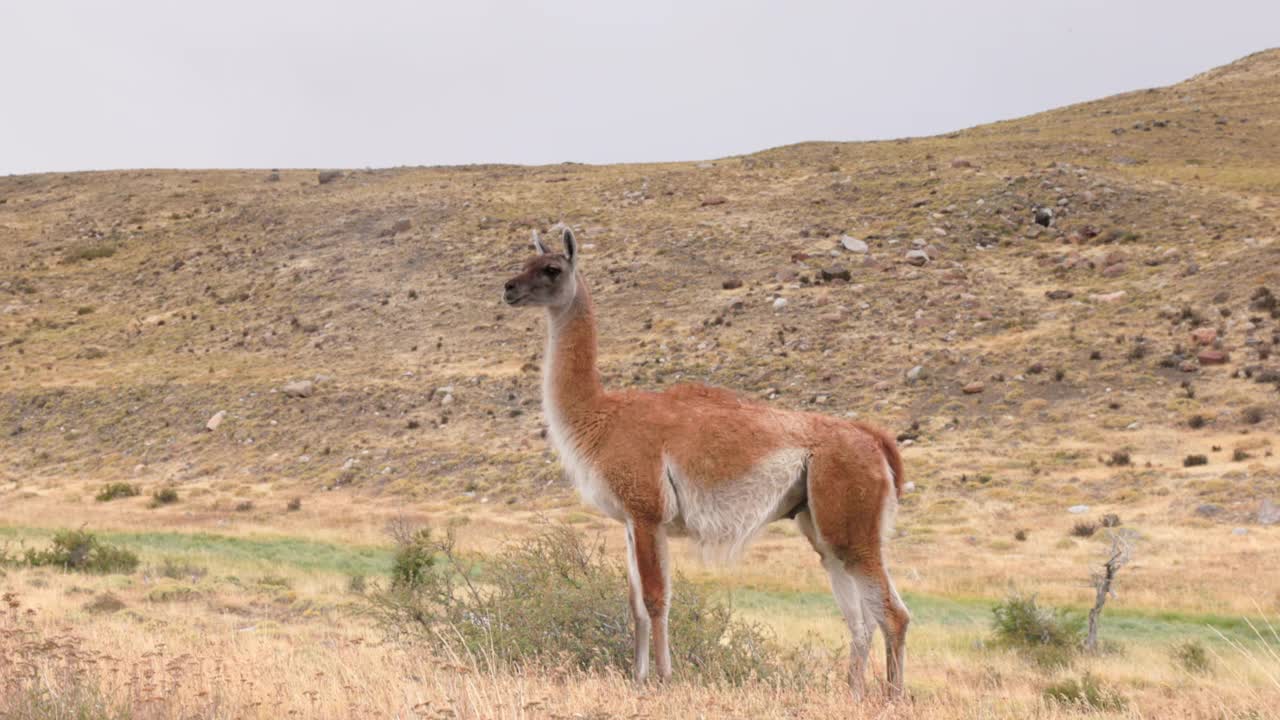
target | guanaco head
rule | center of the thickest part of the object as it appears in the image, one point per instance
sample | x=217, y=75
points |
x=547, y=279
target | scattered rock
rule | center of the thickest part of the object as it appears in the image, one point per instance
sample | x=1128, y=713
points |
x=216, y=421
x=854, y=245
x=836, y=273
x=1204, y=335
x=917, y=257
x=714, y=200
x=1111, y=297
x=1269, y=513
x=973, y=388
x=402, y=225
x=1213, y=357
x=731, y=283
x=299, y=388
x=1114, y=270
x=916, y=373
x=779, y=303
x=327, y=176
x=1044, y=216
x=1059, y=294
x=1078, y=509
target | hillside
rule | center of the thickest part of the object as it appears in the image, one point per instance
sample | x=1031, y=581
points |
x=134, y=306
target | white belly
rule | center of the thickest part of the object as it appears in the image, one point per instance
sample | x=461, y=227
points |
x=725, y=518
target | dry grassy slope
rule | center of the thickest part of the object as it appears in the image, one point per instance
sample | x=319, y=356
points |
x=222, y=286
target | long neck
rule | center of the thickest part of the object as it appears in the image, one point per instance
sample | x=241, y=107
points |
x=570, y=381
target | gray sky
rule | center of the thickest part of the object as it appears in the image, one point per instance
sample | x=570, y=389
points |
x=99, y=84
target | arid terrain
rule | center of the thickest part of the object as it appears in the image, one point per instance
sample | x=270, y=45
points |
x=1064, y=316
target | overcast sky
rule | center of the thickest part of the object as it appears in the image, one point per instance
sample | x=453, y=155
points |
x=100, y=84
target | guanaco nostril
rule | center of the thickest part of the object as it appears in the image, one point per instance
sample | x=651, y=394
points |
x=509, y=286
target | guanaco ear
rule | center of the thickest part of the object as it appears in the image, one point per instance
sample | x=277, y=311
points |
x=570, y=245
x=537, y=244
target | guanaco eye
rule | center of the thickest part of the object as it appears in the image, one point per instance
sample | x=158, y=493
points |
x=551, y=271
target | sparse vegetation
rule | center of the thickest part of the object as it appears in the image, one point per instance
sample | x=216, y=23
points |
x=1119, y=458
x=164, y=496
x=1086, y=693
x=91, y=251
x=1049, y=637
x=78, y=551
x=1192, y=657
x=112, y=491
x=555, y=599
x=1194, y=460
x=1084, y=529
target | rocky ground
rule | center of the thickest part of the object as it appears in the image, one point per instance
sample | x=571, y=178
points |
x=1061, y=307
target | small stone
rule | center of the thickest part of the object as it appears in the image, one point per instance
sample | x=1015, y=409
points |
x=1044, y=216
x=779, y=303
x=1269, y=513
x=1059, y=294
x=917, y=257
x=216, y=421
x=854, y=245
x=1078, y=509
x=327, y=176
x=299, y=388
x=973, y=388
x=402, y=225
x=1213, y=357
x=731, y=283
x=1204, y=335
x=836, y=273
x=1115, y=270
x=1111, y=297
x=916, y=373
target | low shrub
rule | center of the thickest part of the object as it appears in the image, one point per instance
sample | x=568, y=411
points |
x=1049, y=637
x=112, y=491
x=1110, y=520
x=294, y=504
x=80, y=551
x=92, y=251
x=1085, y=693
x=164, y=496
x=1084, y=529
x=1193, y=460
x=1119, y=458
x=554, y=601
x=1192, y=657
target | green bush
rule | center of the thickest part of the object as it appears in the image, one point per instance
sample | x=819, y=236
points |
x=1086, y=693
x=1192, y=657
x=81, y=551
x=555, y=601
x=1049, y=637
x=114, y=490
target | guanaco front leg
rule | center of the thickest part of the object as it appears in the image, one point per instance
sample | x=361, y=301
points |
x=650, y=580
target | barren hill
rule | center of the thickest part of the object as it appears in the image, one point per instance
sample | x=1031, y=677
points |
x=1071, y=361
